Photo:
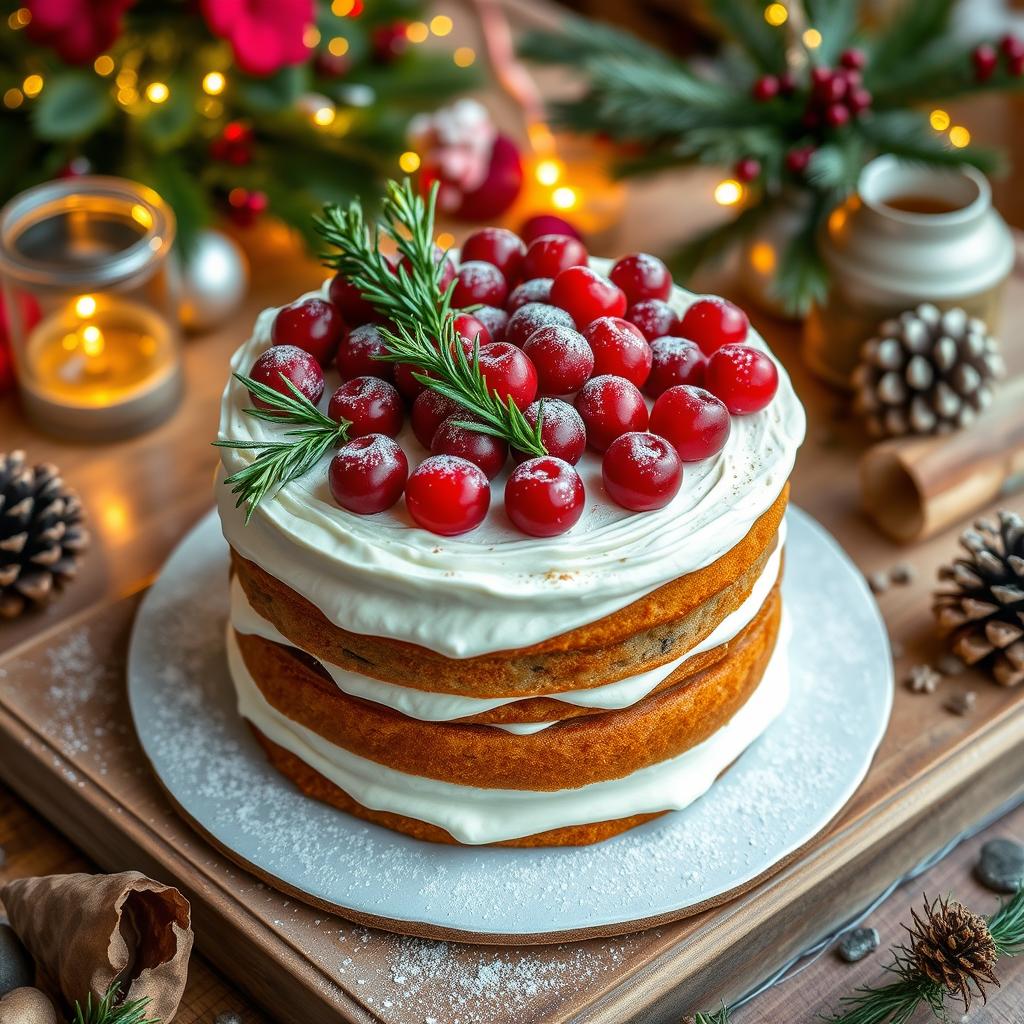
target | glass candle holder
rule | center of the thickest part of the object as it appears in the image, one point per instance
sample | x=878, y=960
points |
x=91, y=303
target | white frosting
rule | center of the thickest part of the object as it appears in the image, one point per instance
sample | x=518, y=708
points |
x=475, y=816
x=443, y=707
x=495, y=589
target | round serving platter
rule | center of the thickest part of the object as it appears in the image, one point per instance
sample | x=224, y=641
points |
x=780, y=793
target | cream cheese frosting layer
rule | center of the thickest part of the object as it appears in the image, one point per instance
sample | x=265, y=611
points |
x=442, y=707
x=494, y=589
x=475, y=816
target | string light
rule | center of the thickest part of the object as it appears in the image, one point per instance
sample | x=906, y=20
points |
x=548, y=172
x=13, y=99
x=939, y=120
x=157, y=92
x=209, y=107
x=441, y=24
x=338, y=46
x=214, y=83
x=464, y=56
x=959, y=136
x=126, y=78
x=127, y=96
x=776, y=14
x=409, y=162
x=342, y=8
x=323, y=116
x=19, y=18
x=33, y=85
x=812, y=38
x=85, y=306
x=416, y=32
x=445, y=240
x=564, y=198
x=728, y=192
x=310, y=36
x=762, y=257
x=103, y=65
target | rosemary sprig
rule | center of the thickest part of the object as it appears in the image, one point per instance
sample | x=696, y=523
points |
x=718, y=1017
x=299, y=450
x=107, y=1010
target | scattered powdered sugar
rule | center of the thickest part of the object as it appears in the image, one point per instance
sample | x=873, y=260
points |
x=536, y=290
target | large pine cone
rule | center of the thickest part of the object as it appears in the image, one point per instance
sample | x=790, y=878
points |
x=983, y=608
x=41, y=534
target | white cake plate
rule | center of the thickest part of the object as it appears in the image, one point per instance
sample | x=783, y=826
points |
x=777, y=796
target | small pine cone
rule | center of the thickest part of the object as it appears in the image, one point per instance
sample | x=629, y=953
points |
x=927, y=372
x=981, y=609
x=41, y=534
x=952, y=947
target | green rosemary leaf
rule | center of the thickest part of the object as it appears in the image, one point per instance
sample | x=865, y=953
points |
x=107, y=1010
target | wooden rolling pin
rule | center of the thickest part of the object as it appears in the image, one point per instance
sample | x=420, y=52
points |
x=913, y=487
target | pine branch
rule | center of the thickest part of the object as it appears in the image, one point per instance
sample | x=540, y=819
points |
x=580, y=42
x=712, y=245
x=802, y=277
x=905, y=133
x=900, y=42
x=108, y=1011
x=1006, y=926
x=743, y=21
x=718, y=1017
x=836, y=20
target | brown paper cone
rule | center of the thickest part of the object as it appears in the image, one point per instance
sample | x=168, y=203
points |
x=88, y=931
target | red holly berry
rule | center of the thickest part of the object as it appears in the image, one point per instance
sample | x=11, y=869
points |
x=743, y=377
x=314, y=325
x=641, y=471
x=859, y=100
x=820, y=79
x=837, y=115
x=549, y=255
x=500, y=247
x=653, y=317
x=494, y=321
x=429, y=411
x=479, y=283
x=370, y=404
x=674, y=361
x=642, y=276
x=1015, y=65
x=471, y=330
x=985, y=60
x=291, y=362
x=798, y=159
x=833, y=89
x=354, y=308
x=562, y=431
x=586, y=295
x=368, y=474
x=245, y=207
x=508, y=372
x=538, y=289
x=692, y=420
x=544, y=497
x=853, y=58
x=356, y=355
x=389, y=41
x=766, y=88
x=787, y=83
x=532, y=317
x=233, y=145
x=747, y=169
x=713, y=322
x=620, y=349
x=610, y=407
x=563, y=359
x=546, y=224
x=447, y=495
x=1012, y=46
x=483, y=450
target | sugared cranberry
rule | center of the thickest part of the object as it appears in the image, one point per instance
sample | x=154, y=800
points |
x=356, y=355
x=509, y=372
x=405, y=380
x=544, y=497
x=853, y=58
x=429, y=411
x=494, y=320
x=563, y=359
x=500, y=247
x=714, y=322
x=692, y=420
x=620, y=349
x=447, y=272
x=546, y=224
x=479, y=283
x=483, y=450
x=472, y=330
x=641, y=471
x=355, y=310
x=549, y=255
x=562, y=431
x=766, y=88
x=532, y=317
x=368, y=474
x=537, y=289
x=642, y=276
x=654, y=317
x=370, y=404
x=447, y=495
x=314, y=325
x=586, y=295
x=674, y=361
x=610, y=407
x=296, y=364
x=743, y=377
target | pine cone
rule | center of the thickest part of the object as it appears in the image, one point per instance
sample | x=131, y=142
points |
x=927, y=372
x=952, y=946
x=41, y=534
x=982, y=611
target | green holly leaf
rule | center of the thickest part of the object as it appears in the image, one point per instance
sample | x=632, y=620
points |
x=73, y=104
x=168, y=124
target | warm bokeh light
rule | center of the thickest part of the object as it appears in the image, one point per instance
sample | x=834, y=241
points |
x=323, y=116
x=776, y=14
x=238, y=197
x=213, y=83
x=85, y=306
x=464, y=56
x=19, y=18
x=92, y=340
x=441, y=24
x=409, y=161
x=209, y=107
x=342, y=8
x=812, y=38
x=103, y=65
x=416, y=31
x=338, y=46
x=126, y=78
x=445, y=240
x=13, y=99
x=310, y=37
x=564, y=198
x=939, y=120
x=762, y=257
x=959, y=136
x=33, y=85
x=157, y=92
x=548, y=172
x=142, y=216
x=126, y=97
x=728, y=192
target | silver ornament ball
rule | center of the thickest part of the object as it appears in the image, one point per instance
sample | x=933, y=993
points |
x=214, y=281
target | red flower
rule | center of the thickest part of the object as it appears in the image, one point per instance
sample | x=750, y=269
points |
x=79, y=30
x=265, y=34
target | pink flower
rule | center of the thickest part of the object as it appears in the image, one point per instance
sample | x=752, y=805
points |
x=79, y=30
x=265, y=34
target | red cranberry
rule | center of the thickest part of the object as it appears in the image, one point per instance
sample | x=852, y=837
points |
x=586, y=295
x=500, y=247
x=837, y=115
x=479, y=283
x=642, y=276
x=537, y=289
x=620, y=349
x=484, y=450
x=356, y=355
x=713, y=323
x=471, y=330
x=532, y=317
x=447, y=495
x=797, y=160
x=562, y=431
x=408, y=386
x=368, y=474
x=654, y=317
x=447, y=272
x=610, y=407
x=853, y=58
x=494, y=321
x=766, y=88
x=349, y=299
x=546, y=224
x=371, y=405
x=429, y=411
x=563, y=359
x=743, y=377
x=294, y=363
x=859, y=100
x=820, y=79
x=985, y=60
x=549, y=255
x=314, y=325
x=747, y=169
x=509, y=372
x=674, y=361
x=1012, y=46
x=641, y=471
x=544, y=497
x=1015, y=65
x=692, y=420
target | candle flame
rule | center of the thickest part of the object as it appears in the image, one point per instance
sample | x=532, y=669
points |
x=92, y=340
x=85, y=306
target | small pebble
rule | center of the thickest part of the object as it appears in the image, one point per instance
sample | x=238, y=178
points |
x=950, y=665
x=16, y=967
x=858, y=944
x=902, y=574
x=1001, y=867
x=923, y=679
x=878, y=582
x=27, y=1006
x=962, y=703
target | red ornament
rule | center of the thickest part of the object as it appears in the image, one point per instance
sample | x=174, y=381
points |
x=641, y=471
x=79, y=30
x=447, y=495
x=371, y=405
x=610, y=407
x=368, y=474
x=766, y=88
x=287, y=361
x=483, y=450
x=562, y=431
x=544, y=497
x=234, y=144
x=744, y=378
x=265, y=37
x=693, y=421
